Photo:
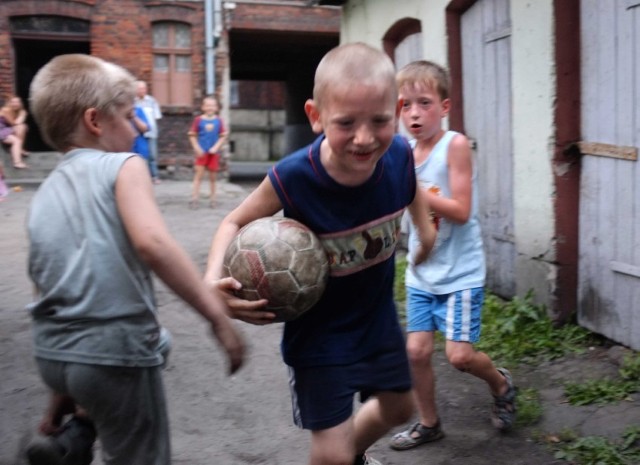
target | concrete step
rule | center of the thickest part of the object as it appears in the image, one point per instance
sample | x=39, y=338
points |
x=177, y=167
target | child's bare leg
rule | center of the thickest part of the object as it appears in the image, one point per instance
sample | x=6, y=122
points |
x=212, y=187
x=16, y=150
x=59, y=406
x=378, y=415
x=333, y=445
x=197, y=178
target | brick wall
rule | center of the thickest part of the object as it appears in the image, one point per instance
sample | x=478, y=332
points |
x=120, y=32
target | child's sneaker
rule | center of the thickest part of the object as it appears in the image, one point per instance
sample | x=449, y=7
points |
x=503, y=414
x=72, y=446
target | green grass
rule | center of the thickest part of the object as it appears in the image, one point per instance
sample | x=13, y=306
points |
x=596, y=450
x=529, y=407
x=519, y=331
x=606, y=390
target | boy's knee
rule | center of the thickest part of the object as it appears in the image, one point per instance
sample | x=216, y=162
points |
x=460, y=360
x=419, y=354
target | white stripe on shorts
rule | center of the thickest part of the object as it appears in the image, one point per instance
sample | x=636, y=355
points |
x=465, y=330
x=297, y=420
x=464, y=320
x=451, y=314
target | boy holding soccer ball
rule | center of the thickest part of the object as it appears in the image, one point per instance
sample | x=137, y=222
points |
x=350, y=187
x=95, y=235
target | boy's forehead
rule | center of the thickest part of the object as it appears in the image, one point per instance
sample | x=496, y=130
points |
x=422, y=86
x=368, y=91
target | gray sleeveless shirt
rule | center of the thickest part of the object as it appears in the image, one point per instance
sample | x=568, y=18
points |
x=96, y=302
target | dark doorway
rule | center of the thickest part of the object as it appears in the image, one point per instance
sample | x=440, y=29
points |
x=31, y=55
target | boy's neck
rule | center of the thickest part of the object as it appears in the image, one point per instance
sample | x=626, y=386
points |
x=426, y=145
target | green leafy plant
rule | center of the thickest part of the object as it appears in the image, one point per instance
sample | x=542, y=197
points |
x=529, y=407
x=606, y=390
x=598, y=391
x=630, y=369
x=399, y=291
x=595, y=450
x=519, y=331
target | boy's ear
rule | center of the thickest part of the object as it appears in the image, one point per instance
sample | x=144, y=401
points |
x=313, y=113
x=90, y=121
x=399, y=107
x=446, y=106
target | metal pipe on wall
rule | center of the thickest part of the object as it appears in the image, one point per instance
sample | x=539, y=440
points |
x=209, y=46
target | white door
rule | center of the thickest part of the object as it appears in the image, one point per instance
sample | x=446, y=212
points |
x=486, y=71
x=609, y=260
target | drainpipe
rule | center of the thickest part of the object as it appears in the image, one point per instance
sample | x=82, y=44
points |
x=209, y=47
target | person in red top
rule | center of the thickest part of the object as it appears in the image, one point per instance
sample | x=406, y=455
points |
x=207, y=136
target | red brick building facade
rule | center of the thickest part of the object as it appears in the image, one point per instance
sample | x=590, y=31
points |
x=163, y=43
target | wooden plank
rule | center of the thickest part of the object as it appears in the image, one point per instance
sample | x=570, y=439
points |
x=625, y=268
x=497, y=35
x=608, y=150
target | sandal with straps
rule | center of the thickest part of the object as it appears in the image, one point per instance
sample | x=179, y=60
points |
x=415, y=436
x=503, y=413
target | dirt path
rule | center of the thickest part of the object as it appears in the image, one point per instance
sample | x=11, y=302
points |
x=246, y=419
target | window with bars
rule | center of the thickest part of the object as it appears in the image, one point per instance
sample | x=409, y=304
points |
x=172, y=63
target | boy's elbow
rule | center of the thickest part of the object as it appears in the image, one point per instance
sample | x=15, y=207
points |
x=150, y=249
x=462, y=218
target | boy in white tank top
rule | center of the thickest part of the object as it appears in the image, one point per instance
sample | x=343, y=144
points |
x=446, y=292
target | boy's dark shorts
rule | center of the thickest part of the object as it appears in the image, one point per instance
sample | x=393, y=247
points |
x=322, y=396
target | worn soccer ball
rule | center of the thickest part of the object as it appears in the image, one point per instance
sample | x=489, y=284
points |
x=281, y=260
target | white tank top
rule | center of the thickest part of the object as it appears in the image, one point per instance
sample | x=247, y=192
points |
x=457, y=259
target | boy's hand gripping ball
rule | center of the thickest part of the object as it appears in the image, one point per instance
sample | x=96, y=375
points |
x=281, y=260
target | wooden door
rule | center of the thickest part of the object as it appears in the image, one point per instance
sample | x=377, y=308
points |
x=486, y=71
x=609, y=239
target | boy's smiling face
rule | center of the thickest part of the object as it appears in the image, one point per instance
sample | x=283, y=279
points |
x=359, y=122
x=210, y=107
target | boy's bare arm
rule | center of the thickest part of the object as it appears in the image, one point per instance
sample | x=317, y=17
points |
x=421, y=218
x=140, y=125
x=262, y=202
x=155, y=245
x=219, y=143
x=457, y=208
x=193, y=140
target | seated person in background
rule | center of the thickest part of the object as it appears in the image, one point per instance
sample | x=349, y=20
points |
x=13, y=129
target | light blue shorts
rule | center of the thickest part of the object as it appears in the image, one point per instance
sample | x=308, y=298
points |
x=457, y=315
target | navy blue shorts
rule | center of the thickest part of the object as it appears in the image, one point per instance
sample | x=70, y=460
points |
x=322, y=397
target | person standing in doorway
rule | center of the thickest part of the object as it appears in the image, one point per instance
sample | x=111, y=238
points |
x=152, y=111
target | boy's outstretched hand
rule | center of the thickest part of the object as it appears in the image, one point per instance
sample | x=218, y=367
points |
x=231, y=342
x=246, y=310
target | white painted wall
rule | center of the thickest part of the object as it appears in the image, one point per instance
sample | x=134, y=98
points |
x=533, y=83
x=368, y=21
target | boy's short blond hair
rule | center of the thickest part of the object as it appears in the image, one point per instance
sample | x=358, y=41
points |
x=426, y=73
x=352, y=64
x=67, y=86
